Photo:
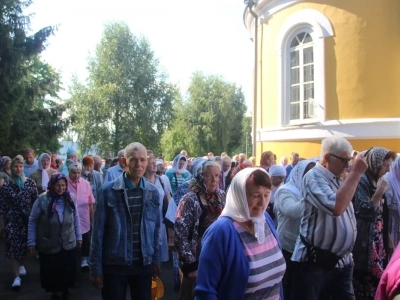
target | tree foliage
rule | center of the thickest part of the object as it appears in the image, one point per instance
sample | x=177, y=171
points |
x=210, y=119
x=126, y=97
x=29, y=119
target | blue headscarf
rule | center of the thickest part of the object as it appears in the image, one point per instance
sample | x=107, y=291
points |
x=18, y=179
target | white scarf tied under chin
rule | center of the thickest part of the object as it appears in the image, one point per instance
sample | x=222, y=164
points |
x=45, y=175
x=236, y=206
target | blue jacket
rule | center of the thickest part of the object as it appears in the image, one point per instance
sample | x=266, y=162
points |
x=112, y=227
x=224, y=270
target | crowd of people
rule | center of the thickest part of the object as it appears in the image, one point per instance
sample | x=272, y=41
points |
x=316, y=228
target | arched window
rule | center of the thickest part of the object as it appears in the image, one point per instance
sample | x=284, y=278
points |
x=301, y=77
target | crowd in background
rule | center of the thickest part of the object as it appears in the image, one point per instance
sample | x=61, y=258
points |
x=316, y=228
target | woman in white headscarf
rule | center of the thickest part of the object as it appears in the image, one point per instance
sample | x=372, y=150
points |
x=393, y=200
x=178, y=173
x=241, y=256
x=289, y=208
x=43, y=173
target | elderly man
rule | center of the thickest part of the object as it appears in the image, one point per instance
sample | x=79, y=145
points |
x=125, y=240
x=328, y=226
x=116, y=171
x=225, y=175
x=30, y=163
x=294, y=158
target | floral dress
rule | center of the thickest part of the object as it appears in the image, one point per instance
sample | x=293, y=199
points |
x=15, y=206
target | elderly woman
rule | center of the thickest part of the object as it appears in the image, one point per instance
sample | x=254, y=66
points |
x=163, y=194
x=267, y=160
x=393, y=200
x=16, y=198
x=289, y=208
x=240, y=256
x=225, y=176
x=178, y=173
x=94, y=177
x=55, y=231
x=5, y=169
x=43, y=173
x=371, y=248
x=72, y=155
x=197, y=210
x=81, y=191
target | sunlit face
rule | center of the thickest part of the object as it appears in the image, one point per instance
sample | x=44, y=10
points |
x=226, y=165
x=136, y=163
x=151, y=166
x=385, y=167
x=18, y=169
x=189, y=165
x=211, y=178
x=242, y=158
x=181, y=163
x=75, y=174
x=54, y=157
x=45, y=163
x=60, y=187
x=337, y=163
x=29, y=158
x=257, y=198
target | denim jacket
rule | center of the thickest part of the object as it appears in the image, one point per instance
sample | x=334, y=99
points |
x=112, y=227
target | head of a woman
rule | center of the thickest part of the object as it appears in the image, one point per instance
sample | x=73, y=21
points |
x=5, y=163
x=151, y=165
x=44, y=160
x=379, y=161
x=74, y=170
x=88, y=164
x=179, y=164
x=210, y=172
x=58, y=184
x=258, y=190
x=267, y=159
x=17, y=166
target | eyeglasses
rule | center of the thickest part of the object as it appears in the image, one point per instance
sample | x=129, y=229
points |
x=344, y=160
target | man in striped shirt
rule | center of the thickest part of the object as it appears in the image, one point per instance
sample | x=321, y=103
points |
x=328, y=222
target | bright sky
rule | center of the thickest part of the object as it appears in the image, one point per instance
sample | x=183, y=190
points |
x=186, y=35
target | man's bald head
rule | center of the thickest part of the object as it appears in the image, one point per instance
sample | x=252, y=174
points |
x=133, y=147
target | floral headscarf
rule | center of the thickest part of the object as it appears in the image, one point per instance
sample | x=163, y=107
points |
x=3, y=162
x=214, y=200
x=375, y=157
x=73, y=165
x=54, y=196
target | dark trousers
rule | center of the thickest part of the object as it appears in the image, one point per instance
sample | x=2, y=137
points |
x=313, y=283
x=289, y=274
x=85, y=249
x=115, y=285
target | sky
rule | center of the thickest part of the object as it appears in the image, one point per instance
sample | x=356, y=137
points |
x=185, y=35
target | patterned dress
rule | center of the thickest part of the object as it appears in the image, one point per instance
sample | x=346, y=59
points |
x=15, y=206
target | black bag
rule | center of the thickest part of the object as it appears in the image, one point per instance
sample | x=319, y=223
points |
x=165, y=200
x=320, y=258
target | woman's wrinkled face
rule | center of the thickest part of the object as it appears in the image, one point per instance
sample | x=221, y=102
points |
x=60, y=187
x=257, y=198
x=385, y=167
x=211, y=178
x=226, y=165
x=189, y=165
x=88, y=168
x=151, y=166
x=181, y=164
x=45, y=162
x=18, y=169
x=75, y=174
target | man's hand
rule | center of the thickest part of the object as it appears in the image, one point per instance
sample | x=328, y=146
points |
x=97, y=281
x=359, y=164
x=156, y=271
x=79, y=244
x=192, y=275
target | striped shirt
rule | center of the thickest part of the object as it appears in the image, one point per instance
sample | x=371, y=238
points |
x=318, y=224
x=267, y=265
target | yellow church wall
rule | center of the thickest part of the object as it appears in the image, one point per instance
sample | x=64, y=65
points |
x=308, y=149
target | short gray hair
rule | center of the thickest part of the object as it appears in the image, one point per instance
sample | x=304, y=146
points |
x=334, y=145
x=210, y=164
x=225, y=158
x=131, y=148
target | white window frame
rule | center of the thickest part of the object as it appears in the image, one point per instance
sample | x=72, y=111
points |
x=319, y=27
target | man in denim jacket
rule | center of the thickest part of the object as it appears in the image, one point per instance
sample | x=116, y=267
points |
x=125, y=246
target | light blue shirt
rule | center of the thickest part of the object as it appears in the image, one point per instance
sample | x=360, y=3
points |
x=113, y=173
x=29, y=169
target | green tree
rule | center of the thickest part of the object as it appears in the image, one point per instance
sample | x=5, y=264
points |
x=245, y=145
x=26, y=82
x=126, y=97
x=210, y=119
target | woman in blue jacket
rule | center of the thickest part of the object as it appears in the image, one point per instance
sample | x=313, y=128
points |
x=241, y=256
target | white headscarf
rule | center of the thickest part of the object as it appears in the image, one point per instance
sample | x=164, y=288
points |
x=175, y=165
x=393, y=177
x=237, y=207
x=45, y=175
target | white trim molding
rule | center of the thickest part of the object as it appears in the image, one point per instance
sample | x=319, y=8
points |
x=319, y=27
x=350, y=129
